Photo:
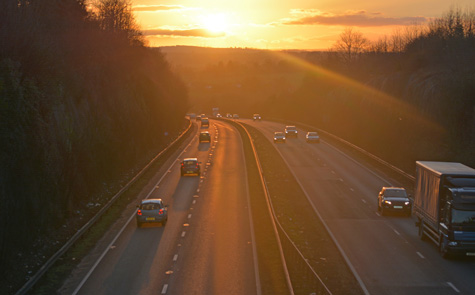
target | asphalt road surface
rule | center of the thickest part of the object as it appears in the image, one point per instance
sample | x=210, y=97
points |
x=386, y=252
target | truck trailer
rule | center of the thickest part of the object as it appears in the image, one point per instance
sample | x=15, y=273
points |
x=444, y=206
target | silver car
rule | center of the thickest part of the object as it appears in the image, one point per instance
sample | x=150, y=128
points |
x=312, y=137
x=279, y=137
x=151, y=211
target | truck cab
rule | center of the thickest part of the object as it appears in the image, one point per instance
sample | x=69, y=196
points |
x=457, y=222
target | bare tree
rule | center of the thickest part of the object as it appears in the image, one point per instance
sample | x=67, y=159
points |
x=351, y=44
x=116, y=16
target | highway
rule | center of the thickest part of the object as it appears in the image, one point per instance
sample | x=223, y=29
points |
x=385, y=252
x=207, y=246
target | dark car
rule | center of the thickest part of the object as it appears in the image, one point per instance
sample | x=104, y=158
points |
x=205, y=137
x=394, y=199
x=151, y=211
x=190, y=166
x=256, y=117
x=279, y=137
x=290, y=131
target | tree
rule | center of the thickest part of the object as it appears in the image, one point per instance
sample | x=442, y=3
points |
x=351, y=44
x=116, y=16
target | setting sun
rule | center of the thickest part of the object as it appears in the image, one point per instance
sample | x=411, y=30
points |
x=216, y=22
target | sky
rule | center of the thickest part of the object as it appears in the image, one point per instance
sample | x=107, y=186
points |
x=279, y=24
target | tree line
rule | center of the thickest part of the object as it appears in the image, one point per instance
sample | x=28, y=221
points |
x=83, y=104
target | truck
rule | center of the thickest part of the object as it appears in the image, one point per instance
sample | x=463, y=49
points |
x=444, y=206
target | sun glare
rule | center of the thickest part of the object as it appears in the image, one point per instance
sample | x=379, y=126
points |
x=215, y=22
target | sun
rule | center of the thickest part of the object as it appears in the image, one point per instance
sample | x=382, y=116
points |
x=216, y=23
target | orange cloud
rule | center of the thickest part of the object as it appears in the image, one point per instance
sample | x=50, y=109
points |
x=359, y=18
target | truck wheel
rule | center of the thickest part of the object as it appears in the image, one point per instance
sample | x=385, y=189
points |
x=443, y=248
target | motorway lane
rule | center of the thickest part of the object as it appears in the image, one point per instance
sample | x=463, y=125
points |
x=385, y=251
x=217, y=255
x=196, y=252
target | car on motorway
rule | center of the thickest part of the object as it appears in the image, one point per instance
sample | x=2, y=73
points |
x=256, y=117
x=279, y=137
x=228, y=115
x=219, y=116
x=394, y=199
x=291, y=131
x=204, y=122
x=312, y=137
x=235, y=116
x=190, y=166
x=151, y=211
x=205, y=137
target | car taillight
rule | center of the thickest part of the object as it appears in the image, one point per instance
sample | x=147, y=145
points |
x=160, y=212
x=139, y=212
x=182, y=165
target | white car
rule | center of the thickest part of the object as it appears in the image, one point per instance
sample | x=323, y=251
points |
x=279, y=137
x=312, y=137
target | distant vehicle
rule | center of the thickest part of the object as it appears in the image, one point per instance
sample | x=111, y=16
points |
x=190, y=166
x=291, y=131
x=219, y=116
x=279, y=137
x=198, y=118
x=312, y=137
x=228, y=115
x=394, y=199
x=444, y=204
x=235, y=116
x=205, y=136
x=151, y=211
x=204, y=122
x=192, y=116
x=256, y=117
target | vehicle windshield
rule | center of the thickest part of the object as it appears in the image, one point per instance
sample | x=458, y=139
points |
x=291, y=128
x=312, y=133
x=463, y=217
x=395, y=193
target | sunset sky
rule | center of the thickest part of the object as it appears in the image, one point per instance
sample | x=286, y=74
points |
x=278, y=24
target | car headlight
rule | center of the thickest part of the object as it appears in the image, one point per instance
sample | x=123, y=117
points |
x=453, y=244
x=387, y=202
x=407, y=203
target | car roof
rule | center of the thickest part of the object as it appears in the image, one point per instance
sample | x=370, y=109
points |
x=290, y=126
x=146, y=201
x=190, y=159
x=312, y=132
x=278, y=132
x=204, y=132
x=393, y=188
